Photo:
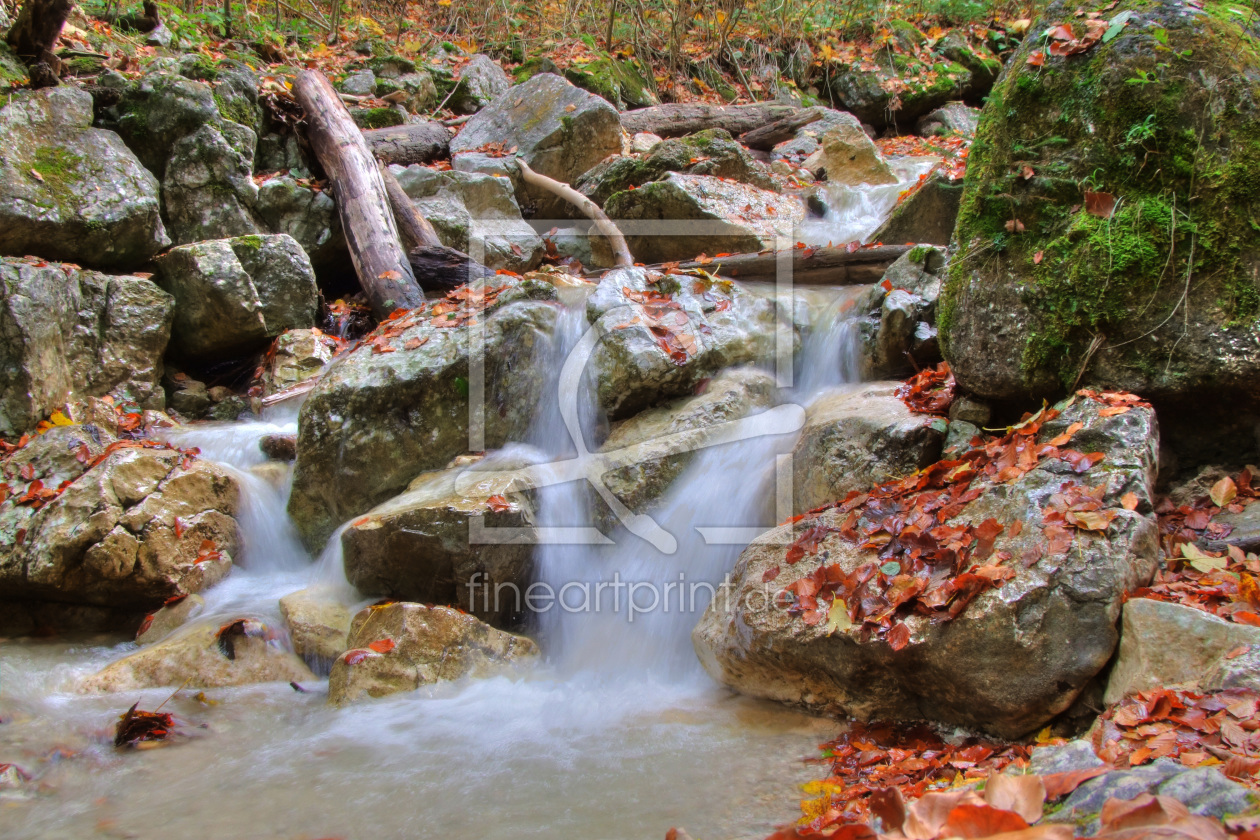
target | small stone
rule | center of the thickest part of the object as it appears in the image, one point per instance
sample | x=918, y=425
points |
x=362, y=83
x=970, y=410
x=644, y=142
x=279, y=447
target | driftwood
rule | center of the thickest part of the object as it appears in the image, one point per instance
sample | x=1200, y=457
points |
x=824, y=266
x=34, y=36
x=362, y=200
x=679, y=119
x=771, y=135
x=436, y=266
x=605, y=225
x=408, y=144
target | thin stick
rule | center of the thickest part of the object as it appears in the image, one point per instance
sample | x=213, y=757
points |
x=605, y=225
x=173, y=693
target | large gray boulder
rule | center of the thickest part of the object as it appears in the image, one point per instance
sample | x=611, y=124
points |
x=1015, y=656
x=713, y=152
x=481, y=81
x=66, y=333
x=419, y=545
x=453, y=201
x=377, y=419
x=808, y=137
x=308, y=215
x=69, y=191
x=404, y=647
x=558, y=129
x=653, y=348
x=847, y=156
x=927, y=215
x=208, y=189
x=118, y=539
x=856, y=437
x=728, y=217
x=234, y=294
x=1166, y=645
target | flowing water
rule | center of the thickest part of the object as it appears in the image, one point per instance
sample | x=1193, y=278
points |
x=855, y=213
x=618, y=734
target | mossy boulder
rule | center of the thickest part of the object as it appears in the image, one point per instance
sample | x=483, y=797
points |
x=208, y=189
x=712, y=152
x=480, y=82
x=12, y=73
x=896, y=89
x=621, y=82
x=1158, y=295
x=377, y=117
x=69, y=191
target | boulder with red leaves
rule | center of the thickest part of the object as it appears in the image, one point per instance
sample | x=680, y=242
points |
x=982, y=592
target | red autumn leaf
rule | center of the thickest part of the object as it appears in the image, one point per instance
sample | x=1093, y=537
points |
x=974, y=821
x=382, y=645
x=354, y=657
x=389, y=274
x=498, y=504
x=898, y=636
x=1036, y=59
x=1059, y=785
x=770, y=574
x=28, y=471
x=1100, y=204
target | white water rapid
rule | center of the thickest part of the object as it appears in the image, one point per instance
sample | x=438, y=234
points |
x=619, y=734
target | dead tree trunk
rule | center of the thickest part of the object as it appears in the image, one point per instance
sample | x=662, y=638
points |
x=679, y=119
x=362, y=200
x=830, y=265
x=34, y=36
x=412, y=143
x=436, y=266
x=771, y=135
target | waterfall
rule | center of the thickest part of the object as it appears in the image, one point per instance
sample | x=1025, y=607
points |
x=855, y=213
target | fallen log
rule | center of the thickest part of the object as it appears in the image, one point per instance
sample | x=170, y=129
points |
x=678, y=119
x=768, y=136
x=823, y=266
x=34, y=35
x=436, y=266
x=362, y=201
x=413, y=143
x=605, y=225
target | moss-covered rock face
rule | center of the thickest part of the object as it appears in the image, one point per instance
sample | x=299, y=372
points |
x=620, y=82
x=1161, y=297
x=377, y=117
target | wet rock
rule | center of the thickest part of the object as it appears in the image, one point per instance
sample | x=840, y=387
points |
x=69, y=191
x=713, y=152
x=160, y=624
x=560, y=130
x=463, y=206
x=854, y=438
x=208, y=189
x=481, y=82
x=1064, y=758
x=733, y=218
x=430, y=645
x=298, y=355
x=1021, y=326
x=958, y=439
x=648, y=440
x=1244, y=529
x=1164, y=645
x=898, y=327
x=234, y=294
x=187, y=396
x=1017, y=656
x=376, y=420
x=969, y=410
x=808, y=137
x=196, y=657
x=279, y=447
x=318, y=625
x=108, y=542
x=421, y=545
x=630, y=368
x=848, y=156
x=67, y=334
x=926, y=216
x=952, y=118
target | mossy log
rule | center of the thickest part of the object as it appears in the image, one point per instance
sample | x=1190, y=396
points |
x=362, y=198
x=771, y=135
x=833, y=265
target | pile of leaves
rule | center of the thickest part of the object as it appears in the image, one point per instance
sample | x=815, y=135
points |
x=136, y=727
x=952, y=149
x=1063, y=41
x=930, y=391
x=1219, y=582
x=925, y=566
x=460, y=307
x=1219, y=728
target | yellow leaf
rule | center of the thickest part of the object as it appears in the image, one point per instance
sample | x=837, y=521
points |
x=1223, y=492
x=59, y=419
x=838, y=617
x=1203, y=562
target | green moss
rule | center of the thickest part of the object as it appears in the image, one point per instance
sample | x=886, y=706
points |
x=58, y=168
x=376, y=117
x=235, y=109
x=249, y=243
x=1179, y=150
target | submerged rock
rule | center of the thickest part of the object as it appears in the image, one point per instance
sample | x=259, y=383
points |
x=143, y=525
x=403, y=647
x=1016, y=656
x=724, y=217
x=69, y=191
x=463, y=206
x=203, y=656
x=633, y=367
x=378, y=419
x=1090, y=262
x=857, y=437
x=234, y=294
x=67, y=334
x=174, y=614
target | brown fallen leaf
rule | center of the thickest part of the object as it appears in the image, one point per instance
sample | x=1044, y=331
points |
x=1025, y=795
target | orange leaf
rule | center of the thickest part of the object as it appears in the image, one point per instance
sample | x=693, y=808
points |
x=974, y=821
x=1061, y=784
x=1129, y=501
x=1025, y=795
x=498, y=504
x=1100, y=204
x=382, y=645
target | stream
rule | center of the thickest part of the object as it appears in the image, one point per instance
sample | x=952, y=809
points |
x=617, y=734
